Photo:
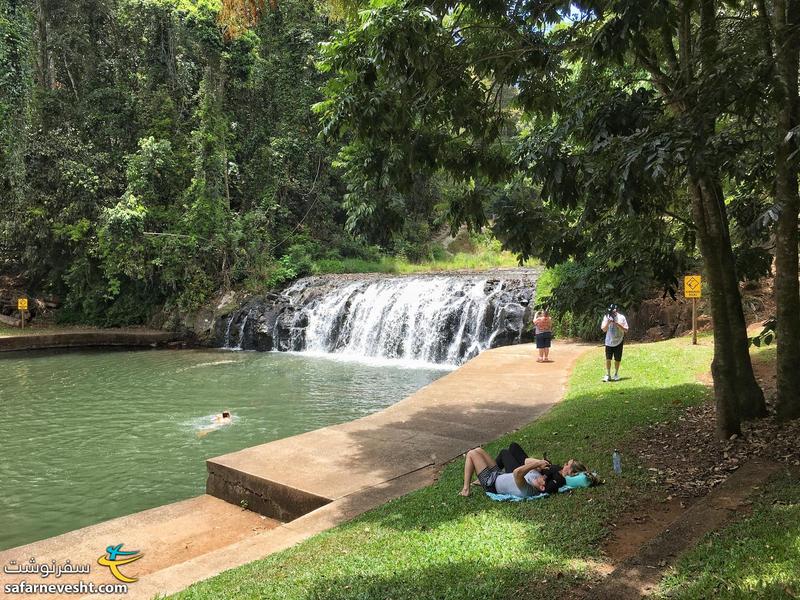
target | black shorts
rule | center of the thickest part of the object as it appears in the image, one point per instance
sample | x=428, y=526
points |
x=487, y=477
x=614, y=352
x=543, y=339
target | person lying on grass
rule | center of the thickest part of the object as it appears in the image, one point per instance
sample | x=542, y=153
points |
x=508, y=459
x=535, y=476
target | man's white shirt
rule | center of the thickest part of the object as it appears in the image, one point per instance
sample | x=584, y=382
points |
x=615, y=334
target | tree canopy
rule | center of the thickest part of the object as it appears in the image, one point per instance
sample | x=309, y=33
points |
x=155, y=151
x=635, y=130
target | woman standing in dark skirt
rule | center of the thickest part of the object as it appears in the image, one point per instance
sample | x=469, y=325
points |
x=544, y=334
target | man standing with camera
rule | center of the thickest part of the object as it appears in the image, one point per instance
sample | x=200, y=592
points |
x=615, y=325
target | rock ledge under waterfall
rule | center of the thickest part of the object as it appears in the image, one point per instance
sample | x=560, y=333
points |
x=439, y=318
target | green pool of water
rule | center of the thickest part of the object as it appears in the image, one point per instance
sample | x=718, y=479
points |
x=86, y=436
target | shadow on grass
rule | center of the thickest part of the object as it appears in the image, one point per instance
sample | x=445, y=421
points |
x=433, y=543
x=756, y=556
x=587, y=427
x=463, y=581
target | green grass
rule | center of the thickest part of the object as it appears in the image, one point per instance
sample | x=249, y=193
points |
x=487, y=259
x=756, y=557
x=434, y=544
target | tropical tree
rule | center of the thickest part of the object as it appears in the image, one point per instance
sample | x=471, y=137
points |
x=781, y=36
x=416, y=88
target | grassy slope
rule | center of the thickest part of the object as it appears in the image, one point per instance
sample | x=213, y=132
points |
x=757, y=557
x=434, y=544
x=487, y=259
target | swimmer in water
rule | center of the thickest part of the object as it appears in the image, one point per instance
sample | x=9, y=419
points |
x=224, y=418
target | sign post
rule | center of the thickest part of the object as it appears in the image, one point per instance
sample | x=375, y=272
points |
x=22, y=306
x=692, y=288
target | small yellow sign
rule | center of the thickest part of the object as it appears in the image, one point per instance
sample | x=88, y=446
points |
x=22, y=304
x=692, y=286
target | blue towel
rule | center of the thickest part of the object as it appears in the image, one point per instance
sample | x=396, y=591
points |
x=510, y=498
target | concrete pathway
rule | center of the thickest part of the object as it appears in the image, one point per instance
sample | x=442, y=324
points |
x=308, y=483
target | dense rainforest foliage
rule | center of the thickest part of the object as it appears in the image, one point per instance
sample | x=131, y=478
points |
x=155, y=151
x=149, y=157
x=648, y=130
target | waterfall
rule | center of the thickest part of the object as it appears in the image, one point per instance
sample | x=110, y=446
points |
x=241, y=332
x=226, y=340
x=442, y=319
x=445, y=319
x=226, y=343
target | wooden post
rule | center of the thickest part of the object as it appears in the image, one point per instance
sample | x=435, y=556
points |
x=694, y=321
x=22, y=306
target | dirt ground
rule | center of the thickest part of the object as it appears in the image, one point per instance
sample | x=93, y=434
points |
x=686, y=461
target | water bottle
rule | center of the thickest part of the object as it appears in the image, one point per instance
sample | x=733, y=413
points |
x=616, y=461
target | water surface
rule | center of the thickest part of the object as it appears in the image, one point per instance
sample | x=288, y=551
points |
x=90, y=435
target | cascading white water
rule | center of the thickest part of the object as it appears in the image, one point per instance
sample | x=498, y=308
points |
x=428, y=319
x=242, y=332
x=227, y=340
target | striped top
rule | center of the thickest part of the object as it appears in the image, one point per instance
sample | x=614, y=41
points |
x=543, y=324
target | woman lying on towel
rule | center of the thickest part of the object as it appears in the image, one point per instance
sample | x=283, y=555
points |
x=514, y=473
x=514, y=456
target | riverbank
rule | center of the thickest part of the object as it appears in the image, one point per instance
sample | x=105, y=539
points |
x=397, y=451
x=433, y=543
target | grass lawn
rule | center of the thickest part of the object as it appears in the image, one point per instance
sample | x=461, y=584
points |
x=433, y=543
x=756, y=557
x=486, y=259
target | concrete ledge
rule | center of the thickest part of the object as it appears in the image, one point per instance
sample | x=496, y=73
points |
x=494, y=393
x=168, y=536
x=265, y=497
x=317, y=479
x=82, y=339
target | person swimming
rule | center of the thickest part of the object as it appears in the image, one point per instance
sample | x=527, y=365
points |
x=218, y=420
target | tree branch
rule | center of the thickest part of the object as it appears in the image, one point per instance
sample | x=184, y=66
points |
x=685, y=43
x=71, y=80
x=669, y=49
x=686, y=222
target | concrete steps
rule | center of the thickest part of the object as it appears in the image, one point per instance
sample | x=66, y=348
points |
x=167, y=536
x=311, y=482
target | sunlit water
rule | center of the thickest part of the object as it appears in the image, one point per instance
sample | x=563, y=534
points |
x=86, y=436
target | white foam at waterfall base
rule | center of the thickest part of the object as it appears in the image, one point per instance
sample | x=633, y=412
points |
x=373, y=361
x=420, y=321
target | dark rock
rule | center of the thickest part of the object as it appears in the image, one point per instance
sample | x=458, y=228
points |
x=276, y=321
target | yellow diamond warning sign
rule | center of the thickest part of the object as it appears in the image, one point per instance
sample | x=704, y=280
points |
x=692, y=286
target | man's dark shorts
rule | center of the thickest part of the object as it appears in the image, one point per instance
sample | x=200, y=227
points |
x=543, y=339
x=614, y=352
x=487, y=477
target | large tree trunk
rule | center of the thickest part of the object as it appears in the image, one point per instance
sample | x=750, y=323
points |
x=787, y=289
x=736, y=391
